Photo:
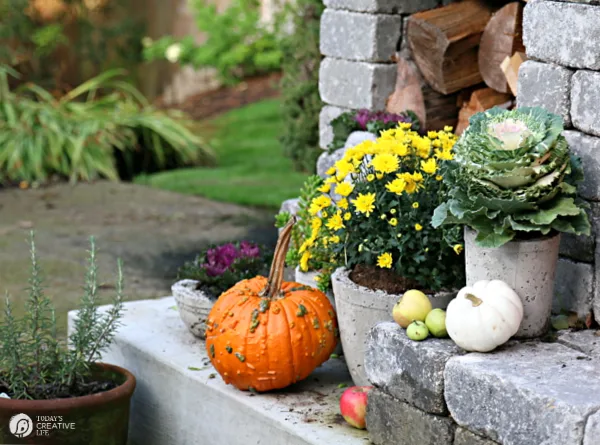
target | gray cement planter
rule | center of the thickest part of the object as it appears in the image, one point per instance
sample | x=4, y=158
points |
x=308, y=279
x=358, y=310
x=529, y=267
x=193, y=305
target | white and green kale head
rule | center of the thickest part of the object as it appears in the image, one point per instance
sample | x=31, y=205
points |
x=512, y=173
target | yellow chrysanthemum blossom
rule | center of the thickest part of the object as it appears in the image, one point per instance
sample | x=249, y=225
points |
x=393, y=211
x=458, y=248
x=343, y=169
x=304, y=261
x=444, y=155
x=342, y=204
x=334, y=239
x=393, y=222
x=325, y=188
x=439, y=177
x=379, y=175
x=397, y=186
x=335, y=222
x=344, y=188
x=415, y=205
x=330, y=171
x=318, y=204
x=385, y=163
x=418, y=227
x=432, y=134
x=385, y=260
x=365, y=203
x=429, y=166
x=370, y=177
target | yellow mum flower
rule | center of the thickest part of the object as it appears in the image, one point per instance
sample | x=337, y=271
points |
x=316, y=223
x=458, y=248
x=405, y=125
x=335, y=222
x=448, y=129
x=324, y=188
x=393, y=222
x=439, y=177
x=318, y=204
x=379, y=175
x=432, y=134
x=400, y=149
x=385, y=163
x=342, y=203
x=344, y=168
x=331, y=180
x=334, y=239
x=365, y=203
x=305, y=245
x=370, y=177
x=304, y=261
x=393, y=211
x=384, y=216
x=397, y=186
x=410, y=185
x=415, y=205
x=385, y=260
x=344, y=189
x=324, y=214
x=429, y=166
x=347, y=216
x=418, y=227
x=331, y=171
x=444, y=155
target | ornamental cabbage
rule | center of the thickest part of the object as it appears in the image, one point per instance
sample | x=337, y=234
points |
x=513, y=173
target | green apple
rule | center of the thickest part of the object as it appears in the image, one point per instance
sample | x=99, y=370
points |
x=417, y=331
x=436, y=323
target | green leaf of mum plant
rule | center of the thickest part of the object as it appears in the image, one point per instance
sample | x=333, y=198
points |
x=513, y=172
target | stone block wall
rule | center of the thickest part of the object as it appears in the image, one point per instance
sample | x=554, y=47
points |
x=359, y=39
x=524, y=393
x=563, y=75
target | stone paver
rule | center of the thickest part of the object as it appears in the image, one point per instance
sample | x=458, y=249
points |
x=376, y=41
x=327, y=114
x=390, y=421
x=585, y=96
x=525, y=393
x=545, y=85
x=383, y=6
x=466, y=437
x=563, y=33
x=586, y=341
x=153, y=231
x=408, y=370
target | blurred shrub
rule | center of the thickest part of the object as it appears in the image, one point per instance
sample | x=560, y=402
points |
x=300, y=86
x=101, y=128
x=237, y=44
x=58, y=41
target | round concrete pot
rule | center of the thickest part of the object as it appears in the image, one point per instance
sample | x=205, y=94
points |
x=97, y=419
x=193, y=304
x=358, y=310
x=308, y=279
x=528, y=266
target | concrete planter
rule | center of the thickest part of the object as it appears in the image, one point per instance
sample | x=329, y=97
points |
x=308, y=279
x=527, y=266
x=193, y=304
x=358, y=310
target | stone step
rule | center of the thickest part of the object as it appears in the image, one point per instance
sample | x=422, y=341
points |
x=181, y=400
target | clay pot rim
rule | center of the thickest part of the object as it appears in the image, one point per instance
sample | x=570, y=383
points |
x=123, y=391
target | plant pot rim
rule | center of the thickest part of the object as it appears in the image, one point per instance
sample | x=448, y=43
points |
x=342, y=274
x=123, y=391
x=553, y=234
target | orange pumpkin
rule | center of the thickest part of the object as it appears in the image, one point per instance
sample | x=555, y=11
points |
x=265, y=334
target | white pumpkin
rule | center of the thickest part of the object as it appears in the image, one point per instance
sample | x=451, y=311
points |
x=484, y=316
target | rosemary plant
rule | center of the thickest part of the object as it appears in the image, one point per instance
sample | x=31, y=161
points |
x=34, y=362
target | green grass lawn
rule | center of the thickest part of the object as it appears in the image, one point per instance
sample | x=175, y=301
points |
x=251, y=167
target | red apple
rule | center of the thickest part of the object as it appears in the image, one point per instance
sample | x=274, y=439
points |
x=353, y=405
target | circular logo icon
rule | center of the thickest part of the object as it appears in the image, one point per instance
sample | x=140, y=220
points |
x=21, y=425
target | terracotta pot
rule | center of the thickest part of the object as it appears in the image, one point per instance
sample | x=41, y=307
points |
x=358, y=310
x=528, y=266
x=97, y=419
x=193, y=305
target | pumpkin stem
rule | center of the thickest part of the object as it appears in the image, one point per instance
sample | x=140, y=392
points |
x=473, y=299
x=277, y=266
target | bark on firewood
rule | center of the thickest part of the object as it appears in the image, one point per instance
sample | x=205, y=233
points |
x=502, y=38
x=510, y=68
x=434, y=110
x=481, y=100
x=445, y=41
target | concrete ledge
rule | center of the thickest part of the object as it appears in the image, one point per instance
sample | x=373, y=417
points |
x=181, y=400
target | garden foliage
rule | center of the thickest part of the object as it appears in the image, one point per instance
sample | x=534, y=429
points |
x=102, y=126
x=389, y=189
x=514, y=175
x=218, y=268
x=237, y=45
x=301, y=102
x=34, y=362
x=364, y=120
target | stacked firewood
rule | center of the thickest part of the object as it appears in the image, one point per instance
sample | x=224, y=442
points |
x=458, y=60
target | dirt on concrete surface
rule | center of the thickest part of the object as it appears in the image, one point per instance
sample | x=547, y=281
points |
x=152, y=231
